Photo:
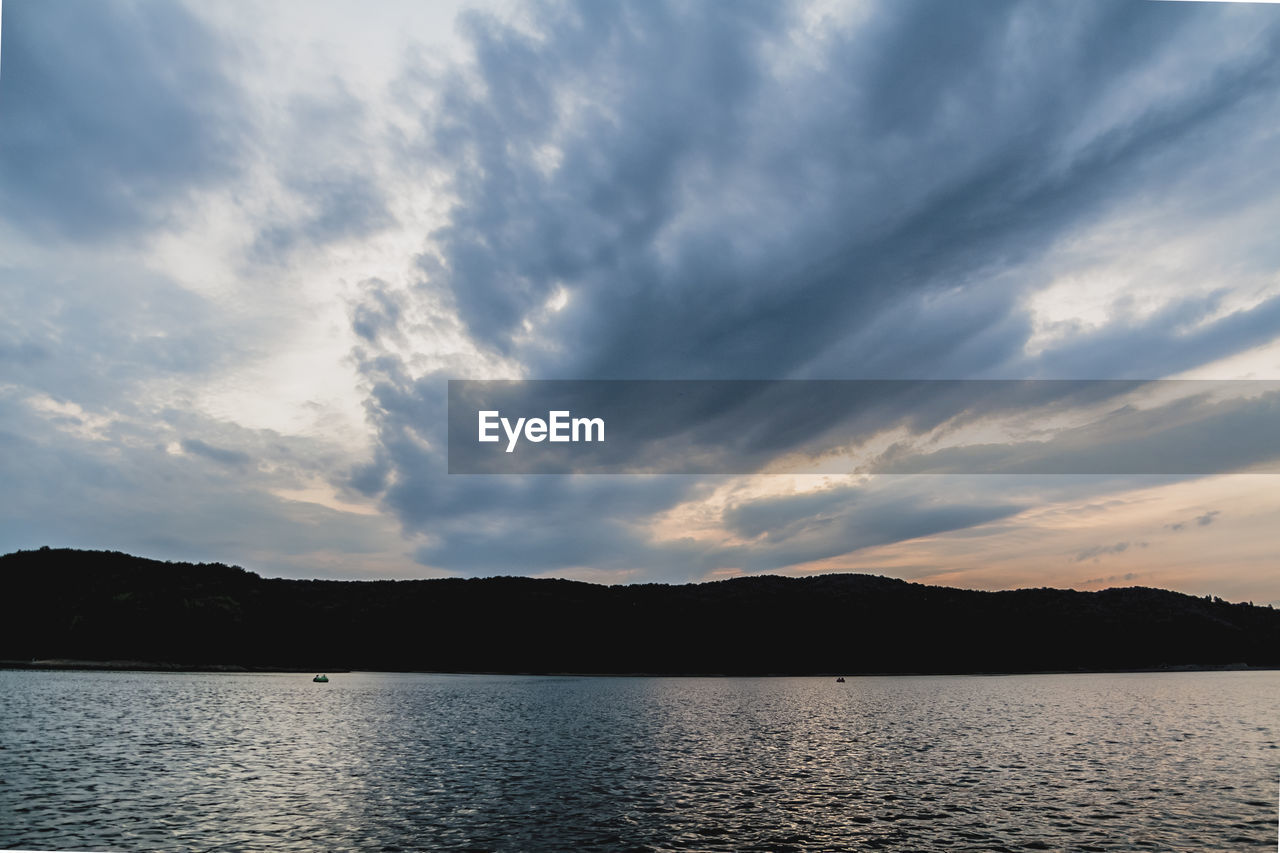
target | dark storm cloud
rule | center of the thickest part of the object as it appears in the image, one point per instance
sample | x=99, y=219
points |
x=663, y=92
x=719, y=202
x=111, y=113
x=713, y=218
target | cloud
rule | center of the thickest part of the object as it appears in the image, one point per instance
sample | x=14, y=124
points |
x=113, y=114
x=1096, y=552
x=728, y=194
x=702, y=207
x=126, y=490
x=1181, y=436
x=337, y=209
x=798, y=529
x=1203, y=520
x=221, y=455
x=327, y=169
x=378, y=311
x=98, y=333
x=1127, y=576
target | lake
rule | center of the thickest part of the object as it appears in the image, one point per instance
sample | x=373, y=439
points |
x=131, y=760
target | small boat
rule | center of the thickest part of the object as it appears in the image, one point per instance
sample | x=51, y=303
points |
x=839, y=680
x=323, y=679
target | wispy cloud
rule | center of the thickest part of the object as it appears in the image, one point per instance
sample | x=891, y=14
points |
x=1096, y=552
x=1203, y=520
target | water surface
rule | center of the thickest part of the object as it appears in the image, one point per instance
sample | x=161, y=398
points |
x=115, y=760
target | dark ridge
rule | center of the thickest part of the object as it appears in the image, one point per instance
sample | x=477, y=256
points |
x=105, y=606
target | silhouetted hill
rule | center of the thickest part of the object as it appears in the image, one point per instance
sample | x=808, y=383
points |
x=93, y=605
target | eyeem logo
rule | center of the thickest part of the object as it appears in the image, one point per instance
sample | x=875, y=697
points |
x=558, y=426
x=864, y=426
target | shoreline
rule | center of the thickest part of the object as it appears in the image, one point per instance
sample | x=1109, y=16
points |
x=148, y=666
x=68, y=664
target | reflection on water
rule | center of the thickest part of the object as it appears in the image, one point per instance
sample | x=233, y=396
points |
x=385, y=761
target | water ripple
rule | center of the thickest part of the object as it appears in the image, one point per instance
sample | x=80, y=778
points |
x=398, y=762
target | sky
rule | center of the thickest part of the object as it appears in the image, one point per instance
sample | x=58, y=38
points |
x=243, y=247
